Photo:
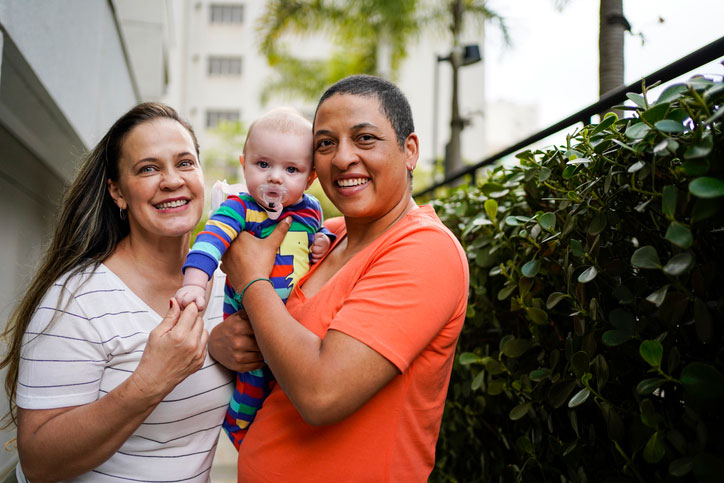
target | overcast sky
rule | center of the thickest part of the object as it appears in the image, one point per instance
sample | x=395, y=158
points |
x=553, y=61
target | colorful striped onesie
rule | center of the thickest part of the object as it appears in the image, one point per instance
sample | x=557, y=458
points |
x=243, y=213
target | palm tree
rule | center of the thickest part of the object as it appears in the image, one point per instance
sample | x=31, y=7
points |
x=363, y=31
x=612, y=26
x=371, y=37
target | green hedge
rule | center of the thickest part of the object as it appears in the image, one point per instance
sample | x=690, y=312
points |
x=593, y=347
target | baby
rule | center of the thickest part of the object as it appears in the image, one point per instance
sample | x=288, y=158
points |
x=277, y=163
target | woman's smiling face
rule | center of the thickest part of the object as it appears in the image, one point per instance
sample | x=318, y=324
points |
x=359, y=162
x=160, y=182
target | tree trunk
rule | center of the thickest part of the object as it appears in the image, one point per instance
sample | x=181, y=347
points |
x=613, y=25
x=453, y=155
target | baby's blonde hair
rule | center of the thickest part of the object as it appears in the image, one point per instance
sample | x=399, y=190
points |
x=285, y=120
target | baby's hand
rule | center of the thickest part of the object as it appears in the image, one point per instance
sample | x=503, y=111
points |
x=320, y=246
x=191, y=293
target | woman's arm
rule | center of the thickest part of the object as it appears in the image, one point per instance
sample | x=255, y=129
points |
x=326, y=379
x=56, y=444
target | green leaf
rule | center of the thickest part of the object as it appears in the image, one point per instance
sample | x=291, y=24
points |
x=547, y=221
x=657, y=297
x=605, y=124
x=702, y=381
x=637, y=166
x=536, y=315
x=652, y=352
x=638, y=99
x=478, y=381
x=648, y=386
x=669, y=125
x=537, y=375
x=649, y=416
x=560, y=391
x=645, y=257
x=672, y=93
x=588, y=275
x=613, y=338
x=491, y=188
x=637, y=131
x=516, y=347
x=705, y=208
x=491, y=209
x=623, y=294
x=696, y=167
x=706, y=187
x=579, y=398
x=512, y=221
x=579, y=363
x=495, y=387
x=668, y=200
x=468, y=358
x=519, y=411
x=679, y=235
x=598, y=223
x=679, y=264
x=700, y=150
x=655, y=449
x=544, y=174
x=681, y=467
x=554, y=298
x=530, y=269
x=569, y=172
x=655, y=113
x=524, y=444
x=505, y=292
x=577, y=247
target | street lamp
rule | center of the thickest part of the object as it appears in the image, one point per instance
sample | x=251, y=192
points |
x=458, y=57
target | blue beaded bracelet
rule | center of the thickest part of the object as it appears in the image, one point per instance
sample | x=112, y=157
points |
x=241, y=295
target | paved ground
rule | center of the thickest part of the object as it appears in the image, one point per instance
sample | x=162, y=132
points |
x=224, y=467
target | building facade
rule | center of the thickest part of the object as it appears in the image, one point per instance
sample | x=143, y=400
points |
x=66, y=73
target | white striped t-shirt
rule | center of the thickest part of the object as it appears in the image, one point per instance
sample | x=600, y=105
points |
x=94, y=343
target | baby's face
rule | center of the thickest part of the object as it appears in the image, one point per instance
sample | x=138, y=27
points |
x=277, y=166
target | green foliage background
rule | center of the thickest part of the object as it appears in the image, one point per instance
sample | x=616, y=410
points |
x=593, y=347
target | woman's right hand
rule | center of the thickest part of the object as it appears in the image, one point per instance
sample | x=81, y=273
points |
x=233, y=345
x=176, y=348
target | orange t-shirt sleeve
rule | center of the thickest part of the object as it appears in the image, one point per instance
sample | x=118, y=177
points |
x=411, y=289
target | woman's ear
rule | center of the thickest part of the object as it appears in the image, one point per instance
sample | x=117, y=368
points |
x=116, y=194
x=412, y=151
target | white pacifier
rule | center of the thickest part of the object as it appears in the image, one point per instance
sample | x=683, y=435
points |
x=274, y=197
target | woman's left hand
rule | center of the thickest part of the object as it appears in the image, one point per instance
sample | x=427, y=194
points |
x=249, y=257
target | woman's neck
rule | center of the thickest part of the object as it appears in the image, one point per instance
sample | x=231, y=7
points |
x=163, y=257
x=361, y=233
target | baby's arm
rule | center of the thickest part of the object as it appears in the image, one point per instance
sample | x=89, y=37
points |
x=193, y=288
x=320, y=246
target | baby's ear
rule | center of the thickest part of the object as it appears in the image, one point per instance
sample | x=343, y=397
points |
x=312, y=177
x=241, y=160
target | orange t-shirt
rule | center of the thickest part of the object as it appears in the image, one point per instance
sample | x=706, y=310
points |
x=404, y=296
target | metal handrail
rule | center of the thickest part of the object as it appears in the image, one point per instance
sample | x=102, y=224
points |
x=615, y=97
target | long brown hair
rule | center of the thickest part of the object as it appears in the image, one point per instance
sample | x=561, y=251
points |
x=89, y=228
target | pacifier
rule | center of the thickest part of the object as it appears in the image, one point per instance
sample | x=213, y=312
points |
x=274, y=197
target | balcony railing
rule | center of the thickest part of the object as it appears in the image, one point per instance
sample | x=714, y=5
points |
x=706, y=54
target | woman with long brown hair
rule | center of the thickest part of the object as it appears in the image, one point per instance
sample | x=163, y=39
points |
x=103, y=386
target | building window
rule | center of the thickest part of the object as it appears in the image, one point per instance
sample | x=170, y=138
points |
x=227, y=13
x=213, y=118
x=224, y=66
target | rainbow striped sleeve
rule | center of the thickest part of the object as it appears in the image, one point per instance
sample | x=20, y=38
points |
x=222, y=228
